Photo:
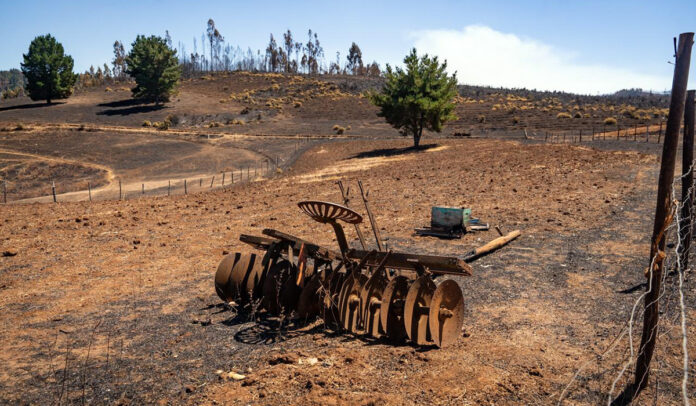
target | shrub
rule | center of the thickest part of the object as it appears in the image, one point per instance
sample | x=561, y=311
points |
x=245, y=110
x=515, y=120
x=339, y=130
x=108, y=89
x=298, y=104
x=162, y=125
x=481, y=118
x=147, y=123
x=577, y=115
x=214, y=124
x=563, y=115
x=610, y=121
x=173, y=119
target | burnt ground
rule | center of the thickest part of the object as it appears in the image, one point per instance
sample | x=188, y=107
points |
x=113, y=301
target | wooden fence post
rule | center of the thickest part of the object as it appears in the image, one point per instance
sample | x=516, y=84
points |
x=211, y=181
x=53, y=190
x=120, y=195
x=662, y=212
x=687, y=197
x=89, y=190
x=223, y=179
x=169, y=187
x=185, y=187
x=143, y=189
x=4, y=191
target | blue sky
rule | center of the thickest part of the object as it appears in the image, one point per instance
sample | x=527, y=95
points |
x=583, y=46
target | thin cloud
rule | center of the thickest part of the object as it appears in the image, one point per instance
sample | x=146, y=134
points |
x=484, y=56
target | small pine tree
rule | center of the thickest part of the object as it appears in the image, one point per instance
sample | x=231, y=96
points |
x=48, y=71
x=154, y=67
x=421, y=97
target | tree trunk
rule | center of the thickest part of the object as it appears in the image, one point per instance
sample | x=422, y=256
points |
x=416, y=138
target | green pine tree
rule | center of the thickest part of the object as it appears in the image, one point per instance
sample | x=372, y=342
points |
x=48, y=71
x=155, y=68
x=421, y=97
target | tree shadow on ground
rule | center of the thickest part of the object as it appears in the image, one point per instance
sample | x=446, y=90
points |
x=382, y=152
x=128, y=106
x=30, y=106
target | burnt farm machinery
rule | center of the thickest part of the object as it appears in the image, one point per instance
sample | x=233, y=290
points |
x=396, y=295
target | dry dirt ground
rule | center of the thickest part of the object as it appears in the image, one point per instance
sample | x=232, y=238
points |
x=113, y=301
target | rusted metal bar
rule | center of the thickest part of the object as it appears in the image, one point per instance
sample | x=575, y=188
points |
x=370, y=216
x=346, y=201
x=662, y=213
x=311, y=247
x=400, y=260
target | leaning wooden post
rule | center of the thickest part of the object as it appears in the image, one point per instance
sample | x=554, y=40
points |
x=211, y=181
x=4, y=191
x=223, y=179
x=687, y=197
x=185, y=187
x=89, y=190
x=53, y=190
x=169, y=187
x=143, y=189
x=662, y=212
x=120, y=195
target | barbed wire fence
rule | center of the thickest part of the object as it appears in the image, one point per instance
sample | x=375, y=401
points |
x=120, y=189
x=663, y=348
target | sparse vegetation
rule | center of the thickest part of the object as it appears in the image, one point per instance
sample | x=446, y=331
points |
x=563, y=115
x=610, y=121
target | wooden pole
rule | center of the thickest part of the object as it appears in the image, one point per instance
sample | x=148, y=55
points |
x=120, y=195
x=223, y=179
x=687, y=198
x=4, y=191
x=143, y=189
x=185, y=187
x=169, y=188
x=212, y=180
x=53, y=190
x=662, y=212
x=89, y=190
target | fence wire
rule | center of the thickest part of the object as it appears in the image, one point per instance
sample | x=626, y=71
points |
x=671, y=367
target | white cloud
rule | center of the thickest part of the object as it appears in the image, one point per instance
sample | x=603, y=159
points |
x=483, y=56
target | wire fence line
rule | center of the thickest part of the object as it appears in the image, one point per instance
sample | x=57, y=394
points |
x=121, y=189
x=674, y=366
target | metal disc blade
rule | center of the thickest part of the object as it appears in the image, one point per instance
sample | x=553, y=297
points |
x=417, y=308
x=240, y=275
x=349, y=303
x=275, y=278
x=222, y=277
x=392, y=308
x=290, y=291
x=310, y=301
x=446, y=313
x=371, y=301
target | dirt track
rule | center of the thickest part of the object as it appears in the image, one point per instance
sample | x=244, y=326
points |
x=115, y=299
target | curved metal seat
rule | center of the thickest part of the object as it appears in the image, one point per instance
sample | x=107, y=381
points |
x=325, y=212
